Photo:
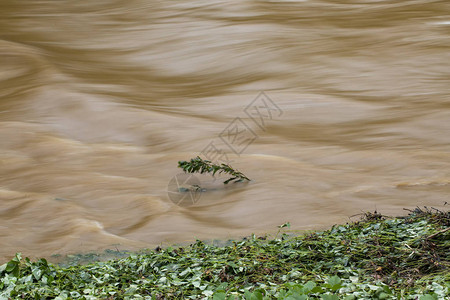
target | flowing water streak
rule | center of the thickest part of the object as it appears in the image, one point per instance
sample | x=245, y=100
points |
x=100, y=99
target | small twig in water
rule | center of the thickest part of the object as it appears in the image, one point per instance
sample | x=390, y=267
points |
x=198, y=165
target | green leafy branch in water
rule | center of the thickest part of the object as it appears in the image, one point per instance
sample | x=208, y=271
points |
x=198, y=165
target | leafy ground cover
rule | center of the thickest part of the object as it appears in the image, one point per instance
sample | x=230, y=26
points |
x=375, y=258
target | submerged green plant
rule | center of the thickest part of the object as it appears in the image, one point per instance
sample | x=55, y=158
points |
x=198, y=165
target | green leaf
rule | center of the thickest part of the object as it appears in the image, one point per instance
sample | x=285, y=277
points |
x=198, y=165
x=334, y=280
x=317, y=289
x=37, y=272
x=247, y=295
x=329, y=297
x=220, y=296
x=287, y=224
x=207, y=293
x=427, y=297
x=256, y=295
x=10, y=266
x=296, y=297
x=334, y=283
x=18, y=257
x=309, y=286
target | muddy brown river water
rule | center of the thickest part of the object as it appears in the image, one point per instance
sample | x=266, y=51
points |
x=99, y=100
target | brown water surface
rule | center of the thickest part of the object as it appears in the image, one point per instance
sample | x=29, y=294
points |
x=100, y=99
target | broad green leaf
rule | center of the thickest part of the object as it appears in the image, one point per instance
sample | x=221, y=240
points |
x=308, y=287
x=334, y=283
x=10, y=266
x=334, y=280
x=329, y=297
x=296, y=297
x=37, y=272
x=220, y=296
x=207, y=293
x=427, y=297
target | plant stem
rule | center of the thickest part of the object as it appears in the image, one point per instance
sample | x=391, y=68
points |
x=198, y=165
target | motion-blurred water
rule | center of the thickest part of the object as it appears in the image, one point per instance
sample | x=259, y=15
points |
x=100, y=99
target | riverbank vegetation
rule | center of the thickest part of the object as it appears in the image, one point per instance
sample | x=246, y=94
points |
x=374, y=258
